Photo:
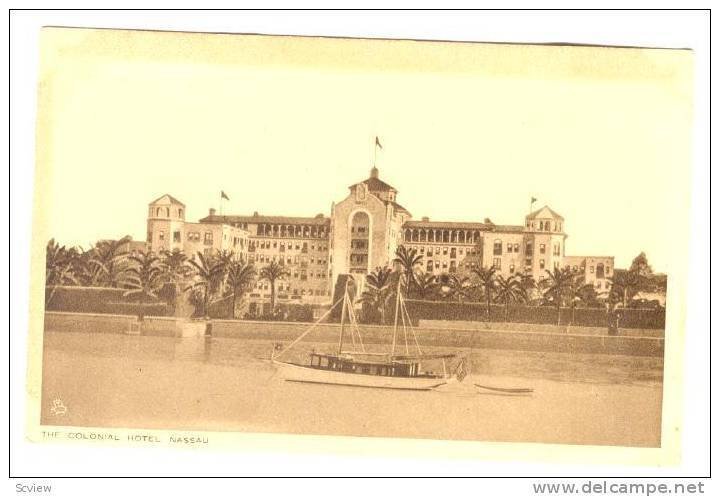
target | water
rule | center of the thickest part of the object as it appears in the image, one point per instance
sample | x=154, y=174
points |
x=108, y=380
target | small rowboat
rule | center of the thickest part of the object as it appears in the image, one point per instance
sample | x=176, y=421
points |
x=506, y=390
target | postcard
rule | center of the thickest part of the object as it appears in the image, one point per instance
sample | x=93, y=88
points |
x=334, y=244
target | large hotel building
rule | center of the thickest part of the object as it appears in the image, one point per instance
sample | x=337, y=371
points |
x=362, y=233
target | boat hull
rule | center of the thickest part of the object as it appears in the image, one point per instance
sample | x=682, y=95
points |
x=306, y=374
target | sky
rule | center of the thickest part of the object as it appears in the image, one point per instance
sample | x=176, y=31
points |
x=284, y=125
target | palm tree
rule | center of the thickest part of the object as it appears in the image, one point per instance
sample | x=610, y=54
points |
x=458, y=287
x=558, y=282
x=486, y=277
x=144, y=278
x=240, y=277
x=105, y=262
x=407, y=259
x=626, y=284
x=529, y=284
x=207, y=273
x=426, y=286
x=174, y=264
x=579, y=291
x=60, y=266
x=379, y=291
x=273, y=272
x=509, y=289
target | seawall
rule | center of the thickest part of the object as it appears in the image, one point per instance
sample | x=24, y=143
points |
x=556, y=339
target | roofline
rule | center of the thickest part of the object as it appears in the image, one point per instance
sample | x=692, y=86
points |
x=172, y=199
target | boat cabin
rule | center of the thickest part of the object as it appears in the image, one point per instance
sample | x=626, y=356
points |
x=347, y=364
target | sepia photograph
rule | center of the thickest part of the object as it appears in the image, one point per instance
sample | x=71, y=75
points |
x=394, y=239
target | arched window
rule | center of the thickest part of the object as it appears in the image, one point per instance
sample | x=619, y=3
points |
x=167, y=211
x=180, y=213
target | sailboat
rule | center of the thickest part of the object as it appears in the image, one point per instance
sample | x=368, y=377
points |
x=359, y=368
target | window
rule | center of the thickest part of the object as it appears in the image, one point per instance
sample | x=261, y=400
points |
x=180, y=212
x=542, y=263
x=453, y=266
x=208, y=238
x=497, y=247
x=161, y=235
x=176, y=236
x=528, y=262
x=542, y=248
x=556, y=249
x=529, y=249
x=207, y=252
x=512, y=268
x=429, y=266
x=497, y=263
x=516, y=248
x=509, y=247
x=453, y=253
x=149, y=238
x=556, y=264
x=445, y=250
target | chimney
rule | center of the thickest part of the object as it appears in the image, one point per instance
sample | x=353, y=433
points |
x=374, y=173
x=425, y=219
x=212, y=211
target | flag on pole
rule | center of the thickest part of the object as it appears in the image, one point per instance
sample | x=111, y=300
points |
x=377, y=142
x=533, y=200
x=223, y=195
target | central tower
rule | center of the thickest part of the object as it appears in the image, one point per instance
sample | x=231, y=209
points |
x=367, y=228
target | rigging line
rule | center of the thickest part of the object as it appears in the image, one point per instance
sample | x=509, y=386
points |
x=308, y=330
x=402, y=306
x=412, y=329
x=350, y=318
x=357, y=328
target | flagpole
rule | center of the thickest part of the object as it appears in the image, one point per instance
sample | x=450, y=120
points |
x=221, y=203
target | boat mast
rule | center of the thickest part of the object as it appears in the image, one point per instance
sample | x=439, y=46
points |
x=342, y=317
x=397, y=308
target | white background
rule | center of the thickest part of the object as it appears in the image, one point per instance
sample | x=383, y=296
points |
x=32, y=461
